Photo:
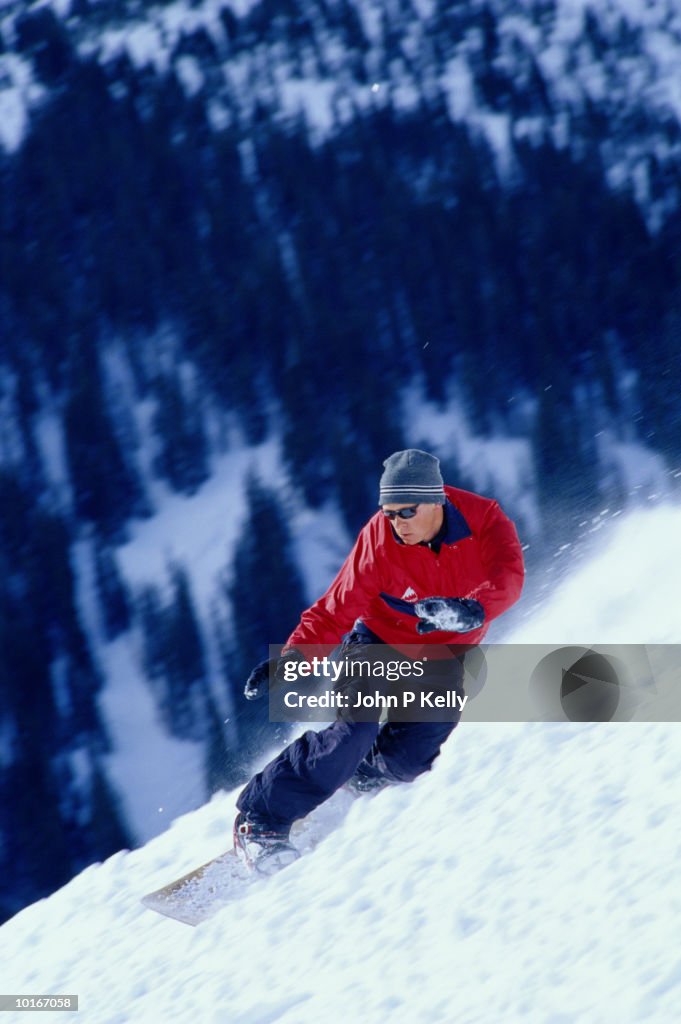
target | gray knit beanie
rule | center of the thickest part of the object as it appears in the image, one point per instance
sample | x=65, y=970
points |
x=411, y=476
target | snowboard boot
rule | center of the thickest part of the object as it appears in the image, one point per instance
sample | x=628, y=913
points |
x=367, y=780
x=261, y=848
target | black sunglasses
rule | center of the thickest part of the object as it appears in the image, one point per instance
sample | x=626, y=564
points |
x=403, y=513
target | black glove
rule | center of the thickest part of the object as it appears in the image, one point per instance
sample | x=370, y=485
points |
x=450, y=614
x=257, y=684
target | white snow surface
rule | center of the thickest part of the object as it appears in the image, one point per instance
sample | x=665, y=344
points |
x=628, y=595
x=531, y=876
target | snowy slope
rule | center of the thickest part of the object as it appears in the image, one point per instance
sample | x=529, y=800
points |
x=628, y=595
x=530, y=877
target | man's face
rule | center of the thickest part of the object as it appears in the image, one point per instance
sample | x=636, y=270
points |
x=422, y=526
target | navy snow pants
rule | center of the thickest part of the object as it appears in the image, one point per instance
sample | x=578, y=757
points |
x=313, y=767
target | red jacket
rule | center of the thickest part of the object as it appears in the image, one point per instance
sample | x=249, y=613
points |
x=480, y=557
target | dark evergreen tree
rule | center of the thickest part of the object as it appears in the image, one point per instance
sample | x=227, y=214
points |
x=188, y=664
x=55, y=679
x=226, y=764
x=174, y=658
x=107, y=832
x=265, y=595
x=41, y=35
x=154, y=632
x=106, y=490
x=183, y=455
x=565, y=468
x=114, y=598
x=35, y=854
x=660, y=413
x=48, y=708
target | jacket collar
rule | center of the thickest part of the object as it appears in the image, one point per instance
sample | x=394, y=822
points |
x=457, y=526
x=454, y=528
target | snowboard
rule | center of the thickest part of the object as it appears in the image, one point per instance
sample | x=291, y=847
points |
x=204, y=891
x=201, y=893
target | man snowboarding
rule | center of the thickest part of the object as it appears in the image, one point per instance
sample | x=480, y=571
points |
x=429, y=571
